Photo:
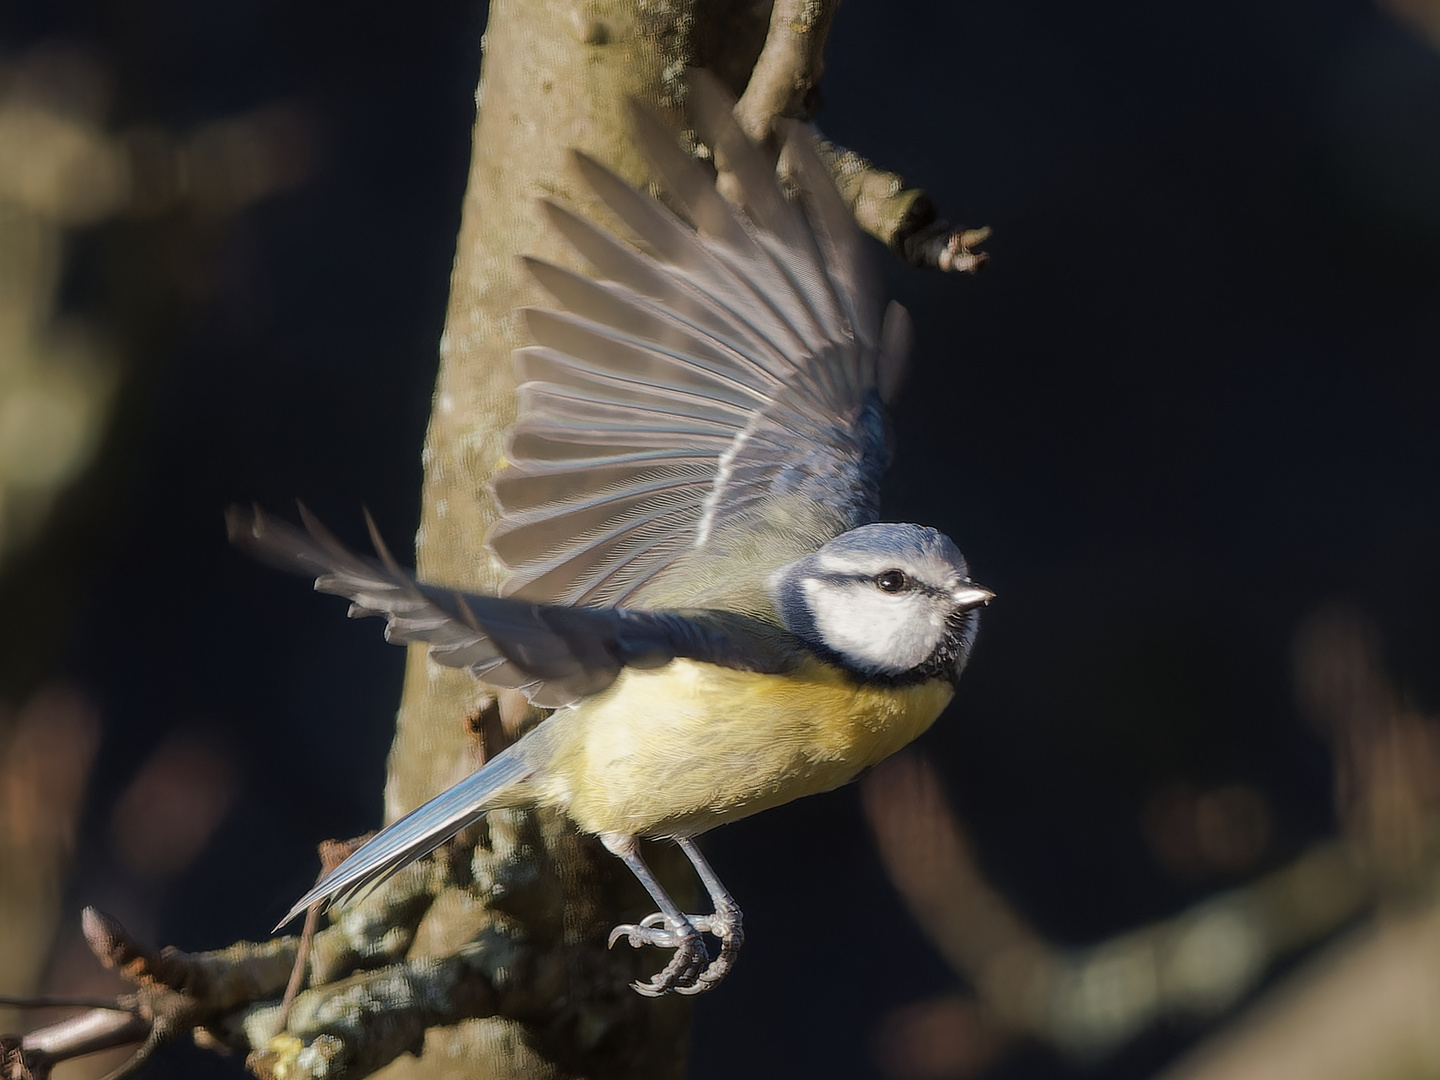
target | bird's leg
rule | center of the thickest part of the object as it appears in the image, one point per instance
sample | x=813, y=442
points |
x=726, y=924
x=670, y=928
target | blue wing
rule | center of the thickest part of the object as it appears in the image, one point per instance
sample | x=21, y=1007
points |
x=553, y=654
x=737, y=357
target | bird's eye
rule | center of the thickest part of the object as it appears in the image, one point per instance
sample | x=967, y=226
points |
x=892, y=581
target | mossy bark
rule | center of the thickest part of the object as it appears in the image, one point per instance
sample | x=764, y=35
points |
x=556, y=75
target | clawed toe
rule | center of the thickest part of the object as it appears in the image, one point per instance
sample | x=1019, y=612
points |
x=651, y=930
x=685, y=968
x=726, y=925
x=691, y=970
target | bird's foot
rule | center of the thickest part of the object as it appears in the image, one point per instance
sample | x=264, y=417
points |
x=727, y=925
x=687, y=965
x=691, y=970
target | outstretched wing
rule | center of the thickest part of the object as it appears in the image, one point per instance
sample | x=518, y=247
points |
x=737, y=357
x=554, y=655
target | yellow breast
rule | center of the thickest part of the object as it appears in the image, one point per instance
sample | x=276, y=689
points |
x=683, y=748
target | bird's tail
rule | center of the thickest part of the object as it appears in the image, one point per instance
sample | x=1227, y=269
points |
x=421, y=831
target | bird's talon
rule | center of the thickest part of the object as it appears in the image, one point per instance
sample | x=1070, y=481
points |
x=627, y=930
x=686, y=969
x=652, y=930
x=691, y=970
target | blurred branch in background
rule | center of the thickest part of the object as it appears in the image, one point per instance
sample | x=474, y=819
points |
x=61, y=171
x=1422, y=15
x=1368, y=1005
x=1089, y=1002
x=64, y=170
x=46, y=751
x=1387, y=756
x=1365, y=1006
x=58, y=172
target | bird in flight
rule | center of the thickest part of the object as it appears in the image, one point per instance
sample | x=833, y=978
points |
x=700, y=588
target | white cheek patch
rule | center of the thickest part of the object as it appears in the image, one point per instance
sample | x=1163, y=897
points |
x=878, y=632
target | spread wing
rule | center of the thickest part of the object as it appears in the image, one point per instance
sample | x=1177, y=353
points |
x=555, y=655
x=738, y=356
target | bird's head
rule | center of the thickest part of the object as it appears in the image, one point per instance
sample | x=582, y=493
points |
x=886, y=601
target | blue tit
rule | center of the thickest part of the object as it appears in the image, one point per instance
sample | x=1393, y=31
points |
x=699, y=589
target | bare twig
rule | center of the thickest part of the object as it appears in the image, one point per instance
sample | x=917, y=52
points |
x=938, y=246
x=904, y=219
x=51, y=1001
x=788, y=71
x=785, y=84
x=348, y=1028
x=302, y=963
x=176, y=992
x=332, y=854
x=99, y=1029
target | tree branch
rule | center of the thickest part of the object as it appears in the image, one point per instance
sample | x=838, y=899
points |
x=903, y=219
x=785, y=83
x=789, y=69
x=1365, y=1007
x=1089, y=1002
x=176, y=992
x=356, y=1027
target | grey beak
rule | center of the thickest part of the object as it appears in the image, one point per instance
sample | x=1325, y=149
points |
x=970, y=595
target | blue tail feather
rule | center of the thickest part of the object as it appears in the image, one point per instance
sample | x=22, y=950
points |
x=419, y=832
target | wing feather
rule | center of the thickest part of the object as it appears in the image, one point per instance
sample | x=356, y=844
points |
x=554, y=654
x=737, y=354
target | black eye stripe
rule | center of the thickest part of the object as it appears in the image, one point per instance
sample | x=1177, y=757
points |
x=844, y=579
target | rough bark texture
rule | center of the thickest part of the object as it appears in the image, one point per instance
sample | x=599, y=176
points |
x=556, y=75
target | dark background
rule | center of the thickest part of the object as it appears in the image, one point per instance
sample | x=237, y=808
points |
x=1191, y=401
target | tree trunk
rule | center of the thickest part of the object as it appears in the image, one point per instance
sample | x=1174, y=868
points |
x=556, y=75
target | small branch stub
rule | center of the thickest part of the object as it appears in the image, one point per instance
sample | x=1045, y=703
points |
x=939, y=247
x=903, y=219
